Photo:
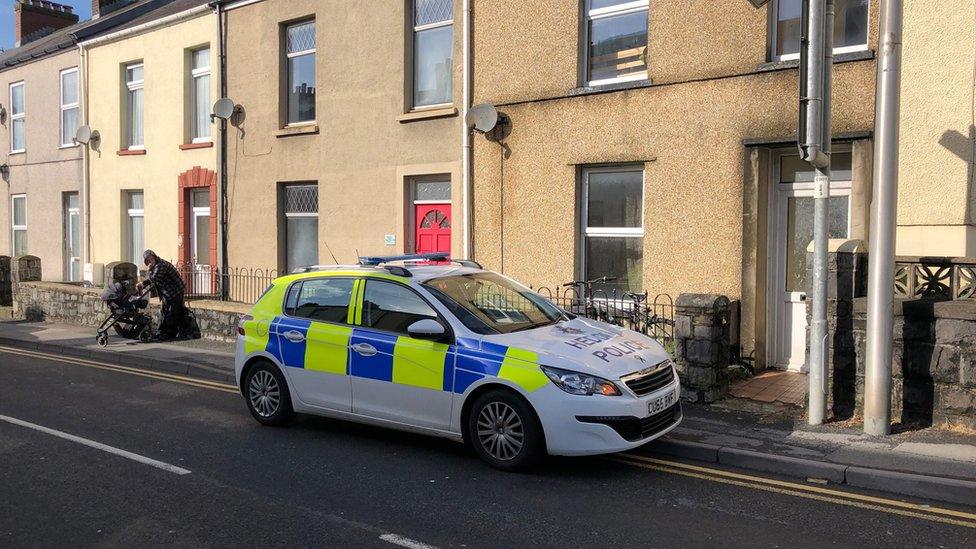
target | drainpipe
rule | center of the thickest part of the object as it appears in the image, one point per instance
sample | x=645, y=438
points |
x=466, y=153
x=881, y=267
x=222, y=150
x=85, y=152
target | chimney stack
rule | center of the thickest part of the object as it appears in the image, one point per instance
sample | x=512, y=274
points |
x=35, y=19
x=103, y=7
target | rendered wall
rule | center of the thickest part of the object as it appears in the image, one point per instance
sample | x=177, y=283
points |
x=165, y=54
x=361, y=150
x=45, y=170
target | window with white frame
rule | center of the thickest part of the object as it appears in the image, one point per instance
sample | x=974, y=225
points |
x=200, y=95
x=300, y=56
x=69, y=106
x=134, y=84
x=433, y=51
x=613, y=227
x=850, y=27
x=17, y=118
x=300, y=209
x=616, y=41
x=135, y=226
x=18, y=217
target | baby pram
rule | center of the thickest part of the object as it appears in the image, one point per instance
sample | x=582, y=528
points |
x=126, y=315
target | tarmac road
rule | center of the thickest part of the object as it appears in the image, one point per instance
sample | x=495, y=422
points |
x=91, y=455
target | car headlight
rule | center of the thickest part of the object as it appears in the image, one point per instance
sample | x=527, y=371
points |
x=576, y=383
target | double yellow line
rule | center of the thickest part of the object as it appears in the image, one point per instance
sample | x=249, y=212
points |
x=819, y=493
x=175, y=378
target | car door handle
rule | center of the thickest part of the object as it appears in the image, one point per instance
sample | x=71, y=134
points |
x=294, y=336
x=364, y=349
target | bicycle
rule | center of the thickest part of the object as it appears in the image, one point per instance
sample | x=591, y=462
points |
x=584, y=304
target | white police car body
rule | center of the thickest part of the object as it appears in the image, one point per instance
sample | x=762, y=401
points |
x=455, y=351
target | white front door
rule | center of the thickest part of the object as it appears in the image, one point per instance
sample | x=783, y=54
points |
x=791, y=221
x=200, y=241
x=72, y=238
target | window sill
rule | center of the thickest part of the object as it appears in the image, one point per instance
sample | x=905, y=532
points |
x=304, y=129
x=75, y=146
x=131, y=152
x=191, y=146
x=428, y=114
x=616, y=86
x=21, y=151
x=794, y=63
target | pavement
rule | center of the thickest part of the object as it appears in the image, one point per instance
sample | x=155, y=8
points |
x=934, y=464
x=94, y=456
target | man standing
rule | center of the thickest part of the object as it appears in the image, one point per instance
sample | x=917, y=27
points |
x=167, y=283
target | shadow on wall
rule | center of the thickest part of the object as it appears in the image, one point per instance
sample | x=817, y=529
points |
x=34, y=313
x=964, y=147
x=921, y=357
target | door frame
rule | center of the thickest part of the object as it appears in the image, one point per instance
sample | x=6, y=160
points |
x=410, y=246
x=776, y=238
x=66, y=213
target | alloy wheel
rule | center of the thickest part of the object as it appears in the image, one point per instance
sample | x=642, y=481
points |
x=500, y=431
x=264, y=392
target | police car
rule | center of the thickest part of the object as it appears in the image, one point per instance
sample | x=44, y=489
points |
x=423, y=344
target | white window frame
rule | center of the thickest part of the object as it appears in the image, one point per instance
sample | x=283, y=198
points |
x=15, y=116
x=14, y=228
x=194, y=74
x=774, y=15
x=129, y=214
x=603, y=13
x=68, y=106
x=413, y=57
x=288, y=56
x=131, y=87
x=616, y=232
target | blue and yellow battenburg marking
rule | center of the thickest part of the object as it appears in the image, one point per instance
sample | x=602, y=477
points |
x=402, y=360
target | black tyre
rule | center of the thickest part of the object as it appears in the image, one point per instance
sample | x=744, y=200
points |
x=266, y=394
x=505, y=432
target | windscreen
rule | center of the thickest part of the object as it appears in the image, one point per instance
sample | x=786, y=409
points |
x=488, y=303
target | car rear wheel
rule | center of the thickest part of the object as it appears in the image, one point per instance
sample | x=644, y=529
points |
x=266, y=394
x=505, y=432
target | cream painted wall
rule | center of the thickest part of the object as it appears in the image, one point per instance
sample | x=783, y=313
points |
x=936, y=192
x=165, y=55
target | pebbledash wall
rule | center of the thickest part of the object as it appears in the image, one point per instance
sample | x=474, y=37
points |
x=58, y=302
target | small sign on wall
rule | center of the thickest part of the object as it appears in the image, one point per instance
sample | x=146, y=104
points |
x=389, y=240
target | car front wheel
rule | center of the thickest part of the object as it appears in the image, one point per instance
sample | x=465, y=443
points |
x=505, y=432
x=266, y=393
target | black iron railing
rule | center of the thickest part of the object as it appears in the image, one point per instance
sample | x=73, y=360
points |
x=240, y=284
x=654, y=318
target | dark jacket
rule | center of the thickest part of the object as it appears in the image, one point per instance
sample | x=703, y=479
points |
x=166, y=281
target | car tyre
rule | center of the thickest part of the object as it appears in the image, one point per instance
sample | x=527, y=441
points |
x=505, y=432
x=266, y=394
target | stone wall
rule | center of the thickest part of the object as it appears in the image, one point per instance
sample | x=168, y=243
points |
x=701, y=338
x=933, y=362
x=57, y=302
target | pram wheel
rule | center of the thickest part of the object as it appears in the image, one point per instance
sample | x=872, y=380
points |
x=145, y=336
x=102, y=340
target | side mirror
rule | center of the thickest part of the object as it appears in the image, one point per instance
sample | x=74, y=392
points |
x=426, y=329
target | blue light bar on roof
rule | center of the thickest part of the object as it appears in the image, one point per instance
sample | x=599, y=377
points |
x=377, y=260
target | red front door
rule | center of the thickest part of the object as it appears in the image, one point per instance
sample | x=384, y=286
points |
x=433, y=228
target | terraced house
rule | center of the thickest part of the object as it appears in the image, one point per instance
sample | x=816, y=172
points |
x=654, y=141
x=150, y=87
x=40, y=109
x=348, y=135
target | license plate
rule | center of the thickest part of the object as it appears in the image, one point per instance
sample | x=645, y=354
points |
x=662, y=403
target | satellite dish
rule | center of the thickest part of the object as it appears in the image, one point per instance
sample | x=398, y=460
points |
x=482, y=118
x=86, y=135
x=224, y=108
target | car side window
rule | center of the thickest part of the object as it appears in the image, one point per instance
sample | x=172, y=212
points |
x=392, y=307
x=323, y=299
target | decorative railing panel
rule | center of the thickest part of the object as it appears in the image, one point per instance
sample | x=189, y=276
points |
x=937, y=278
